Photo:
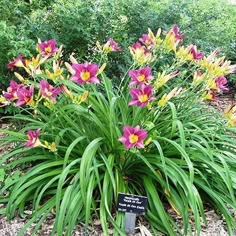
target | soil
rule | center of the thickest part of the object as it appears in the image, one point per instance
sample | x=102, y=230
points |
x=215, y=227
x=224, y=100
x=215, y=224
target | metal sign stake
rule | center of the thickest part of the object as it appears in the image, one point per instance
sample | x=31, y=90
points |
x=130, y=219
x=132, y=205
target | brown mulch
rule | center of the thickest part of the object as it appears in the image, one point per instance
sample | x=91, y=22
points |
x=215, y=227
x=225, y=99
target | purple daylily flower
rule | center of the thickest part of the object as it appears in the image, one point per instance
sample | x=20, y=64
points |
x=112, y=46
x=85, y=73
x=16, y=62
x=140, y=76
x=145, y=39
x=33, y=138
x=48, y=91
x=176, y=32
x=221, y=83
x=25, y=96
x=141, y=96
x=133, y=137
x=48, y=48
x=195, y=53
x=11, y=93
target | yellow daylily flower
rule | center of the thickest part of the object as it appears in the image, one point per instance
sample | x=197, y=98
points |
x=162, y=78
x=166, y=97
x=81, y=98
x=57, y=72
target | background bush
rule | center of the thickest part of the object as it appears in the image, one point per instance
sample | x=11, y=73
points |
x=208, y=24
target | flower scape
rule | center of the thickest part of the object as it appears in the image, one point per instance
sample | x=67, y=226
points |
x=88, y=137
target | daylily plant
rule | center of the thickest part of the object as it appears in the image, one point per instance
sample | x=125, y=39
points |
x=141, y=55
x=221, y=83
x=149, y=133
x=17, y=62
x=173, y=38
x=11, y=93
x=111, y=46
x=230, y=114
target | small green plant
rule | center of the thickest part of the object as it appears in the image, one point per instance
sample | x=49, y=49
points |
x=86, y=139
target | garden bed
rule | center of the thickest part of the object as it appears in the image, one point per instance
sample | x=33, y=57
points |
x=215, y=224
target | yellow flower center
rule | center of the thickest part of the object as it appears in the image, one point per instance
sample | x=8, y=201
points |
x=48, y=93
x=143, y=98
x=107, y=48
x=27, y=100
x=85, y=75
x=232, y=122
x=141, y=78
x=133, y=138
x=48, y=49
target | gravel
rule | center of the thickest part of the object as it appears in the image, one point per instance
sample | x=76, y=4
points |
x=215, y=227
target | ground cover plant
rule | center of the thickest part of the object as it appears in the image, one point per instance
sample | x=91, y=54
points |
x=85, y=138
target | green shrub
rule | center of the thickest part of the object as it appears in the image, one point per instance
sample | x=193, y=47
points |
x=202, y=21
x=15, y=36
x=11, y=45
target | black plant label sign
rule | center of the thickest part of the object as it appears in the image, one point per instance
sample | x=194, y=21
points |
x=131, y=203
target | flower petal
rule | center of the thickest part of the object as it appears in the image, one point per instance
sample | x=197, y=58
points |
x=92, y=69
